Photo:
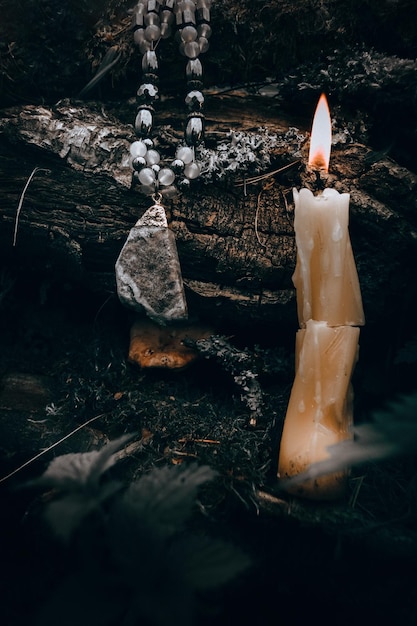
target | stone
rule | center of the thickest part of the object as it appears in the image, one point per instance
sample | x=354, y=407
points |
x=148, y=272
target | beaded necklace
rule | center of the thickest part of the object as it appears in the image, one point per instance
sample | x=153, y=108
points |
x=148, y=272
x=153, y=20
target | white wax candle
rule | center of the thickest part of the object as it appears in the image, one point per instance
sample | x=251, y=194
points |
x=329, y=305
x=319, y=412
x=325, y=276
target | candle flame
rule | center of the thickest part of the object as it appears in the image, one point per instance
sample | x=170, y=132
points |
x=321, y=137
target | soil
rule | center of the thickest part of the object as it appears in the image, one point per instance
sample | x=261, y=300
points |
x=63, y=363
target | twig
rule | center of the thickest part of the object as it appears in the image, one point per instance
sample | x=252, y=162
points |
x=22, y=197
x=258, y=204
x=54, y=445
x=257, y=179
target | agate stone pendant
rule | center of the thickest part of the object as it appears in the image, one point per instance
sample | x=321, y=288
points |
x=148, y=272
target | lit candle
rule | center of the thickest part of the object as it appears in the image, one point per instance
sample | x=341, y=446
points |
x=325, y=276
x=329, y=306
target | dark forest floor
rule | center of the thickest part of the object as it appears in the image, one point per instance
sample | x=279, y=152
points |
x=63, y=362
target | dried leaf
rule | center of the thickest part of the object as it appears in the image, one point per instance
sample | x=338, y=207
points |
x=80, y=470
x=67, y=513
x=165, y=497
x=211, y=562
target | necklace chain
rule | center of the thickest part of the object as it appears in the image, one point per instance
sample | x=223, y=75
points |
x=153, y=20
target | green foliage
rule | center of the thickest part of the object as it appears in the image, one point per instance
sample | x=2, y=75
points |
x=136, y=561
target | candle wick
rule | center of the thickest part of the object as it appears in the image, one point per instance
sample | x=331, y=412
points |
x=319, y=182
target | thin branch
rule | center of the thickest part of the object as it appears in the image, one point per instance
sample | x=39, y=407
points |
x=22, y=197
x=54, y=445
x=257, y=179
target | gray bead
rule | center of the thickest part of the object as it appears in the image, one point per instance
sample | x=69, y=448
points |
x=190, y=49
x=166, y=31
x=151, y=19
x=188, y=33
x=139, y=36
x=185, y=154
x=204, y=30
x=138, y=149
x=192, y=170
x=152, y=157
x=203, y=14
x=152, y=32
x=203, y=43
x=166, y=176
x=147, y=176
x=138, y=20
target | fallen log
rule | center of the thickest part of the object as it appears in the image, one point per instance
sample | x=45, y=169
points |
x=235, y=238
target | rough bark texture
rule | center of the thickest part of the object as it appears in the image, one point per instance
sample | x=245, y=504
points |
x=237, y=251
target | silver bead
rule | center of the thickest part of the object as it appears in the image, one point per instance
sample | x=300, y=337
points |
x=178, y=166
x=138, y=163
x=194, y=100
x=194, y=131
x=184, y=184
x=150, y=61
x=147, y=92
x=143, y=122
x=194, y=69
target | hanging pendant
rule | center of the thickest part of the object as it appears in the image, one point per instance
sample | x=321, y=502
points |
x=148, y=272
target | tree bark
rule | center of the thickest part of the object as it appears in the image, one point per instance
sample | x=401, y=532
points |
x=237, y=251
